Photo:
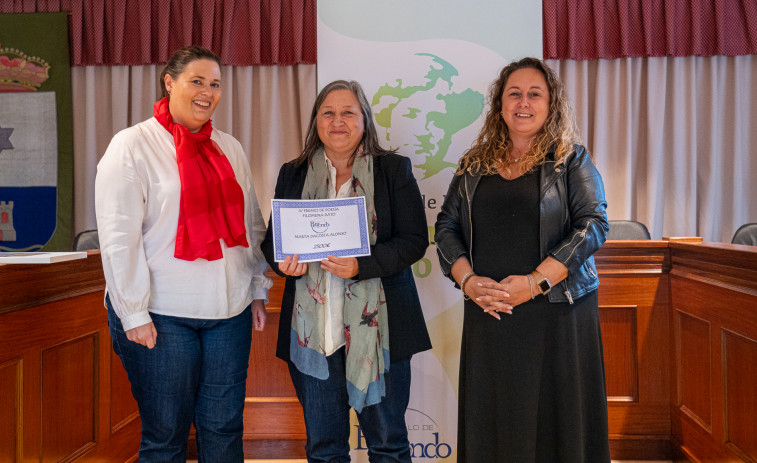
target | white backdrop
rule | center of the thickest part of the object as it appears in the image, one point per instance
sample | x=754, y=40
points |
x=426, y=67
x=673, y=137
x=266, y=108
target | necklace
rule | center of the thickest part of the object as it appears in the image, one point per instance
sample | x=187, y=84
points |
x=512, y=163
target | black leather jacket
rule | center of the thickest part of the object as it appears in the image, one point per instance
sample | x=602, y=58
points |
x=573, y=222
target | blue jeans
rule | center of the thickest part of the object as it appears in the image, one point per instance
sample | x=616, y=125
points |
x=195, y=373
x=327, y=414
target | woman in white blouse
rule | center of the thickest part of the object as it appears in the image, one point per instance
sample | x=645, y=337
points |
x=180, y=231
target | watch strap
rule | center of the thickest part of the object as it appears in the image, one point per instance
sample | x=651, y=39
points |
x=542, y=282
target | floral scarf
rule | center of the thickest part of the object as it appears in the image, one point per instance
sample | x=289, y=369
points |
x=366, y=327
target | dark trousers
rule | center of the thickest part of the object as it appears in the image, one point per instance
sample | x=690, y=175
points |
x=327, y=414
x=196, y=373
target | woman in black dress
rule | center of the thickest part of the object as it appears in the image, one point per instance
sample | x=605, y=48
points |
x=522, y=218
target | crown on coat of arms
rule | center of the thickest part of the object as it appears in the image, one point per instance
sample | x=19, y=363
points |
x=21, y=73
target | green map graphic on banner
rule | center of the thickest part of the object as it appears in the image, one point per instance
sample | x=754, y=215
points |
x=36, y=136
x=461, y=109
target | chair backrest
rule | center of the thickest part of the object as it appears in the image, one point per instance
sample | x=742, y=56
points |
x=627, y=230
x=87, y=239
x=746, y=234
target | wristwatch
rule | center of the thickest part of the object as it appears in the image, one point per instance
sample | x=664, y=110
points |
x=542, y=282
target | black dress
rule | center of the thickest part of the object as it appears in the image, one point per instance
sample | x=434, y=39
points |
x=532, y=385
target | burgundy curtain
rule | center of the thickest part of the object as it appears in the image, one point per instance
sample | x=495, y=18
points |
x=609, y=29
x=135, y=32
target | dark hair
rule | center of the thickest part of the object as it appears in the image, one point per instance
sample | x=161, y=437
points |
x=370, y=135
x=493, y=143
x=179, y=61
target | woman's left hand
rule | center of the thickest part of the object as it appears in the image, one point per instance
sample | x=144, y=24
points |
x=519, y=287
x=515, y=286
x=343, y=267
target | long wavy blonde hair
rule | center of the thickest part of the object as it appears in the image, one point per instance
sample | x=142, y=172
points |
x=493, y=145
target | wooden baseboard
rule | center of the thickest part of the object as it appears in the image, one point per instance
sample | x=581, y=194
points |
x=121, y=446
x=621, y=448
x=641, y=448
x=264, y=449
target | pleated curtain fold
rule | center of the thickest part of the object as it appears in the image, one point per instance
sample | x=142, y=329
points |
x=665, y=92
x=138, y=32
x=601, y=29
x=666, y=98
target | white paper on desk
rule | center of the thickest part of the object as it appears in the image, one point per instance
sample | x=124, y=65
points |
x=315, y=229
x=39, y=257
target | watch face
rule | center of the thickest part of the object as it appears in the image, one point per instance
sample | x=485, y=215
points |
x=544, y=286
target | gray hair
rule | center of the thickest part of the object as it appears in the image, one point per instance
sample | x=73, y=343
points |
x=370, y=135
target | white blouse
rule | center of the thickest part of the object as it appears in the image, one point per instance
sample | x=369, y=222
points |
x=335, y=285
x=137, y=192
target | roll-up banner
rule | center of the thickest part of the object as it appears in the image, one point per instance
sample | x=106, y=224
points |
x=426, y=67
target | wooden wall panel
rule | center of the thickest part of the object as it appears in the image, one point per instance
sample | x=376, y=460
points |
x=53, y=323
x=671, y=313
x=740, y=373
x=273, y=419
x=268, y=376
x=619, y=344
x=714, y=285
x=10, y=411
x=69, y=402
x=650, y=296
x=693, y=362
x=272, y=414
x=634, y=302
x=123, y=407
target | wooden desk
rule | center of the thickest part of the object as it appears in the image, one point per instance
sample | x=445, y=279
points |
x=634, y=306
x=714, y=351
x=64, y=395
x=679, y=323
x=679, y=326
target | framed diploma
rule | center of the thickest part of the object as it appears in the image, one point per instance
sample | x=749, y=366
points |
x=315, y=229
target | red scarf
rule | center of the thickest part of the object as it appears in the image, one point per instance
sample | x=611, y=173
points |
x=212, y=203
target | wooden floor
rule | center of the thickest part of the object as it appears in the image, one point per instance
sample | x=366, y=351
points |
x=265, y=461
x=305, y=461
x=274, y=451
x=302, y=460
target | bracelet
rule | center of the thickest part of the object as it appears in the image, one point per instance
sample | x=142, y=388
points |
x=464, y=280
x=531, y=285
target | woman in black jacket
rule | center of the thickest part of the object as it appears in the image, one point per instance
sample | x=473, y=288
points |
x=519, y=225
x=344, y=315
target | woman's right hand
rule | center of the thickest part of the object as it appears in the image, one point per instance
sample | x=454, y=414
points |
x=143, y=334
x=292, y=266
x=488, y=294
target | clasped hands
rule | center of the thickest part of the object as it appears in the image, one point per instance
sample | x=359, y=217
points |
x=343, y=267
x=495, y=297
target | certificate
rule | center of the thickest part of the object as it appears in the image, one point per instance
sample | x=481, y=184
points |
x=315, y=229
